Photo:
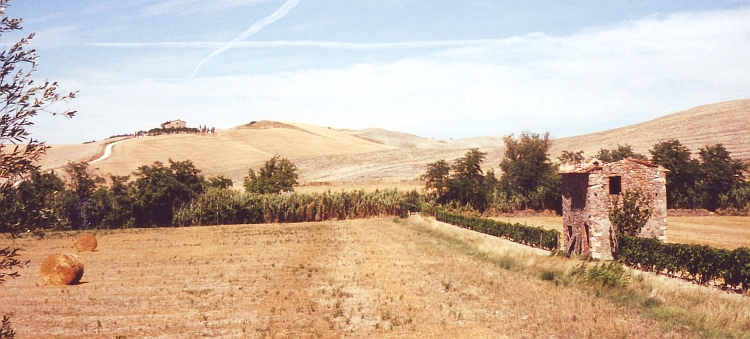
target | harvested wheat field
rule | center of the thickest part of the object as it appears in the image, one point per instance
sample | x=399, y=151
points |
x=413, y=278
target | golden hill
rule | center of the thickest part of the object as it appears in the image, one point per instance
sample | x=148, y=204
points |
x=332, y=158
x=726, y=123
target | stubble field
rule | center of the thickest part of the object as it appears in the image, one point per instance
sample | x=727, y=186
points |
x=412, y=278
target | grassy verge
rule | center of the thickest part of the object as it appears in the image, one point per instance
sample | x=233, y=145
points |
x=676, y=305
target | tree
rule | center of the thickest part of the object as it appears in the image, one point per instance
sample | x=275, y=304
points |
x=436, y=177
x=36, y=194
x=467, y=184
x=115, y=202
x=571, y=158
x=682, y=175
x=81, y=211
x=20, y=100
x=219, y=182
x=277, y=175
x=159, y=191
x=719, y=174
x=621, y=152
x=629, y=214
x=82, y=180
x=528, y=174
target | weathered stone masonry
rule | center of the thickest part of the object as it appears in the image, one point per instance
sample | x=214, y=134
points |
x=587, y=192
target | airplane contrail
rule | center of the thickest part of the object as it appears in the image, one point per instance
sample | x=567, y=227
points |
x=280, y=13
x=314, y=44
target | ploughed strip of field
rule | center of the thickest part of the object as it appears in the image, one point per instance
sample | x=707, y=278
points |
x=361, y=279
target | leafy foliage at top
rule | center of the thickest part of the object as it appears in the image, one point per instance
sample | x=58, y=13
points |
x=571, y=158
x=22, y=99
x=630, y=211
x=528, y=173
x=436, y=177
x=468, y=185
x=464, y=183
x=529, y=179
x=682, y=175
x=620, y=153
x=158, y=191
x=714, y=180
x=719, y=173
x=276, y=176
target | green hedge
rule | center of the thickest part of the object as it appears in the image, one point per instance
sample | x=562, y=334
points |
x=698, y=262
x=527, y=235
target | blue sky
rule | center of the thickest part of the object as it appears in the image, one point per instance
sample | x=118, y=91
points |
x=440, y=69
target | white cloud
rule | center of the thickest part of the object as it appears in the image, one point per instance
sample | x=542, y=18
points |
x=196, y=6
x=586, y=82
x=316, y=44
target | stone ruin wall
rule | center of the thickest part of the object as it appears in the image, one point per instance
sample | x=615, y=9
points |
x=651, y=180
x=597, y=205
x=575, y=215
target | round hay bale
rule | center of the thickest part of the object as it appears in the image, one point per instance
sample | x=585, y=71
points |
x=61, y=269
x=86, y=242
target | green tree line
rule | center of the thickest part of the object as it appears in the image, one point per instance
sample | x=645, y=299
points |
x=711, y=179
x=530, y=180
x=178, y=194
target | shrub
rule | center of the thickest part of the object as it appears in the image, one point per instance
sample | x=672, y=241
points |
x=527, y=235
x=698, y=262
x=609, y=275
x=629, y=214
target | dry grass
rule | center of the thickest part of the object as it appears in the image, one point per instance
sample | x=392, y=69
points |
x=726, y=123
x=362, y=279
x=59, y=155
x=718, y=231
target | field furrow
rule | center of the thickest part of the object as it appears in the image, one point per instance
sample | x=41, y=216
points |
x=360, y=279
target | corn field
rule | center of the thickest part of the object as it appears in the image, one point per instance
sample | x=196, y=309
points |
x=221, y=206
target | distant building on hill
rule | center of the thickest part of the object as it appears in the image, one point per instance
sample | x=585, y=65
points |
x=174, y=124
x=587, y=193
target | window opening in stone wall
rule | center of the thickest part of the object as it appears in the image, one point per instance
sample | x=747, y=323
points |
x=615, y=185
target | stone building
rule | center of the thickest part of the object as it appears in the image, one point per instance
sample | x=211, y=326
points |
x=174, y=124
x=587, y=192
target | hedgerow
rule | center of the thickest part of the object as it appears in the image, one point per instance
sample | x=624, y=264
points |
x=700, y=263
x=527, y=235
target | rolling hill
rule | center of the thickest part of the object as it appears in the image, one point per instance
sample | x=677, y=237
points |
x=727, y=123
x=333, y=158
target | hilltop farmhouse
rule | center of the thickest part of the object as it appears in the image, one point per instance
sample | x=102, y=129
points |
x=174, y=124
x=587, y=192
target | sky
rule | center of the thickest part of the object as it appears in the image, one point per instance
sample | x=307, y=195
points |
x=435, y=68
